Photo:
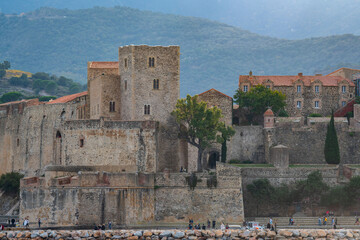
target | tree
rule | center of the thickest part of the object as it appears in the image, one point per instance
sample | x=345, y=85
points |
x=258, y=99
x=5, y=65
x=11, y=96
x=10, y=182
x=226, y=133
x=198, y=125
x=2, y=73
x=331, y=149
x=21, y=81
x=261, y=191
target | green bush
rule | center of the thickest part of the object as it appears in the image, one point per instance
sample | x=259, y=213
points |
x=10, y=182
x=234, y=161
x=11, y=96
x=283, y=113
x=315, y=115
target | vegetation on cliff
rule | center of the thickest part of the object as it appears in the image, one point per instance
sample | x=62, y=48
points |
x=17, y=85
x=309, y=193
x=331, y=149
x=212, y=54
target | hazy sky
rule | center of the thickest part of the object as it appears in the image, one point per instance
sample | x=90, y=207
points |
x=292, y=19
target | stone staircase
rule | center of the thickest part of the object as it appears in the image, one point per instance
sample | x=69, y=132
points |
x=307, y=221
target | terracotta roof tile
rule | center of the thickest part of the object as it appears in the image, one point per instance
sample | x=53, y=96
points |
x=269, y=112
x=67, y=98
x=213, y=89
x=104, y=64
x=289, y=80
x=29, y=102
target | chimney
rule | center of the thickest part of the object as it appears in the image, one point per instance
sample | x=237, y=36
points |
x=300, y=74
x=250, y=73
x=318, y=74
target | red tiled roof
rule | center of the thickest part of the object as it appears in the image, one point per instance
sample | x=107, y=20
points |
x=29, y=102
x=104, y=64
x=213, y=89
x=289, y=80
x=269, y=112
x=67, y=98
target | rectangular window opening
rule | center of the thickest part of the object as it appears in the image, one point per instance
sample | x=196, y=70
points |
x=316, y=104
x=245, y=88
x=298, y=89
x=298, y=104
x=317, y=89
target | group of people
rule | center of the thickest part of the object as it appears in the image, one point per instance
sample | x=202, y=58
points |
x=102, y=226
x=203, y=227
x=324, y=221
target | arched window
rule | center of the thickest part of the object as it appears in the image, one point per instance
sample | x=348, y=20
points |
x=58, y=148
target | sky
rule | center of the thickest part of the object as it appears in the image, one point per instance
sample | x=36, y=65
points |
x=289, y=19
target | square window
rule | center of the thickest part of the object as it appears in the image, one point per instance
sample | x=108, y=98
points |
x=268, y=86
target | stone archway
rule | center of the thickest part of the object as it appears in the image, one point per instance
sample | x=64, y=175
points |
x=214, y=156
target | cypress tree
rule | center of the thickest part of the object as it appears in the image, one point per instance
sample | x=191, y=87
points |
x=331, y=150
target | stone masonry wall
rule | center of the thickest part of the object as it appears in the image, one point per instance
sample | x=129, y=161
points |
x=28, y=136
x=247, y=144
x=110, y=143
x=176, y=202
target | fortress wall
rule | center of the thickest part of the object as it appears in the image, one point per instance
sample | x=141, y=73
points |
x=88, y=198
x=306, y=143
x=110, y=143
x=66, y=203
x=247, y=144
x=176, y=202
x=27, y=137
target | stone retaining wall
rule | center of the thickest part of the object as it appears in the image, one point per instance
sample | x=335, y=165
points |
x=184, y=234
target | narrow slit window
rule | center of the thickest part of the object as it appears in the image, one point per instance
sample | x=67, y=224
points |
x=146, y=109
x=151, y=62
x=156, y=84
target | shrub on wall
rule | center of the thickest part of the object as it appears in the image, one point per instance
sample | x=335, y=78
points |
x=10, y=182
x=315, y=115
x=331, y=150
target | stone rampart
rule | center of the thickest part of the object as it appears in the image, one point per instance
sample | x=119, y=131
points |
x=184, y=234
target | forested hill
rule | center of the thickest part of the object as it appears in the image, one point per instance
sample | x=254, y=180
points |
x=212, y=54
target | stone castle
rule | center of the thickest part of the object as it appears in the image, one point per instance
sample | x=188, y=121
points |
x=113, y=154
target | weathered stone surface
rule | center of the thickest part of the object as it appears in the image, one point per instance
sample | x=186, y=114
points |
x=179, y=235
x=138, y=233
x=285, y=233
x=219, y=233
x=147, y=234
x=166, y=234
x=321, y=233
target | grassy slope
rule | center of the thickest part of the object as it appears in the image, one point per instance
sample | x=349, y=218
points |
x=213, y=54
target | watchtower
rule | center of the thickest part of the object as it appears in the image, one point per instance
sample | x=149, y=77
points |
x=150, y=81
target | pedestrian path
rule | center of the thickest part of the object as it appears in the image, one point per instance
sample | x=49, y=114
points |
x=308, y=221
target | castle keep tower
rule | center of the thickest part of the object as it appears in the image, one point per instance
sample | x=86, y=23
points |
x=150, y=82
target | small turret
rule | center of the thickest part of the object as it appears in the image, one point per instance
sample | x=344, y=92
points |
x=269, y=119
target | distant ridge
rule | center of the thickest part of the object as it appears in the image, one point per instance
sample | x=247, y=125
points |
x=213, y=54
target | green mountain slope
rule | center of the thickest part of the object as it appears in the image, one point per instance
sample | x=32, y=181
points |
x=212, y=54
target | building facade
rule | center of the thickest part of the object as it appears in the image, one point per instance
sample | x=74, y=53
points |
x=306, y=94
